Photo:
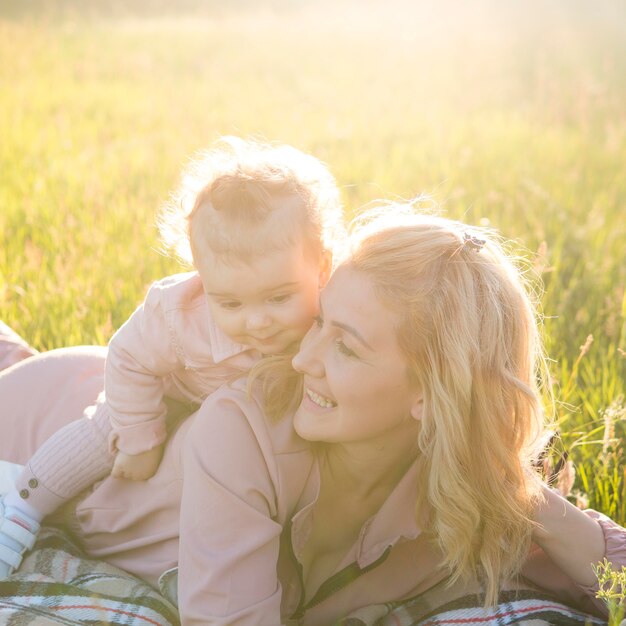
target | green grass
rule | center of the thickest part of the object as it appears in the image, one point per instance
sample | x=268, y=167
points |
x=509, y=115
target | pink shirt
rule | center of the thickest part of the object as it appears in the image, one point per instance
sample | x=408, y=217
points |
x=13, y=348
x=245, y=479
x=170, y=346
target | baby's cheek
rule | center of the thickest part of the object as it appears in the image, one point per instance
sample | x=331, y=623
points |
x=306, y=324
x=227, y=327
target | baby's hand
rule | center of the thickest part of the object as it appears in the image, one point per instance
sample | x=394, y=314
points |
x=137, y=466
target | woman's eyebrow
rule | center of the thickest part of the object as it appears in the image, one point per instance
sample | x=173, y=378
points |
x=354, y=332
x=349, y=329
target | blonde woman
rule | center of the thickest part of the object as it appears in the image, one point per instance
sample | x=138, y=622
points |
x=422, y=404
x=401, y=482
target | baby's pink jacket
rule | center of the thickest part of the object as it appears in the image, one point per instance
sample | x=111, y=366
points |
x=169, y=346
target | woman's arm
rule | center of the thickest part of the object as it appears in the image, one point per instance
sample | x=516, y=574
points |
x=229, y=541
x=572, y=539
x=567, y=542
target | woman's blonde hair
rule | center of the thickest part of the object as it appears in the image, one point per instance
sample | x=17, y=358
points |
x=470, y=335
x=228, y=199
x=469, y=331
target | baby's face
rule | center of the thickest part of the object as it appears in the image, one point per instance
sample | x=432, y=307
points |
x=268, y=304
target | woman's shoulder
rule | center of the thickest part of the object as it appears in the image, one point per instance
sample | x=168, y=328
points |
x=234, y=407
x=231, y=443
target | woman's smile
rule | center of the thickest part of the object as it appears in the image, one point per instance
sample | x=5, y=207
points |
x=318, y=399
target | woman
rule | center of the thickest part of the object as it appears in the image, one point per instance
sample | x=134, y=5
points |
x=407, y=463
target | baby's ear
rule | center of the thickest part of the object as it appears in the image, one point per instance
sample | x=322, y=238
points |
x=326, y=267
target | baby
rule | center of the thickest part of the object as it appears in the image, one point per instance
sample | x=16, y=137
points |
x=260, y=222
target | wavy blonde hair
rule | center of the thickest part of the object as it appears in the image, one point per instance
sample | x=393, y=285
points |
x=228, y=199
x=469, y=332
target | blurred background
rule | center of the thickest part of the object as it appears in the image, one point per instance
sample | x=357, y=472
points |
x=509, y=114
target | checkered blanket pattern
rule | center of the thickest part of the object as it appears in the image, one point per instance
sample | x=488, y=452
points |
x=521, y=608
x=57, y=585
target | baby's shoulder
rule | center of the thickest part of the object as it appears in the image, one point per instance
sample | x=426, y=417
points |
x=179, y=291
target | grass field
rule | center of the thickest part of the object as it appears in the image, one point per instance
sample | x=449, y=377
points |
x=510, y=114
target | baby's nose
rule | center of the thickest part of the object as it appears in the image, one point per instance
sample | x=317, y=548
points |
x=258, y=320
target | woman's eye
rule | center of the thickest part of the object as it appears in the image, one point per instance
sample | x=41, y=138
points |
x=343, y=348
x=280, y=299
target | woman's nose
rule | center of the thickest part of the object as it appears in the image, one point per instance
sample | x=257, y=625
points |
x=307, y=360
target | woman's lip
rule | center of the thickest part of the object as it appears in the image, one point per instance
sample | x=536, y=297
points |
x=318, y=398
x=311, y=406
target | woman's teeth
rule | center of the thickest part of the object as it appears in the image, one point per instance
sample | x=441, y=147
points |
x=320, y=400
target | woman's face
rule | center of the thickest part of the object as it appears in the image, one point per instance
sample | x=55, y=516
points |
x=356, y=384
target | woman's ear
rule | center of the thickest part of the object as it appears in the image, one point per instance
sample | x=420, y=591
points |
x=326, y=267
x=417, y=408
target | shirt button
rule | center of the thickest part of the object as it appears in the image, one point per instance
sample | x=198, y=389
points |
x=33, y=483
x=24, y=494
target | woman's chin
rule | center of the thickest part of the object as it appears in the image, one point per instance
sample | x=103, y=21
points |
x=309, y=427
x=301, y=428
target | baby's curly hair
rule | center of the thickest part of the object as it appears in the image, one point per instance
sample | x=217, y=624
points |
x=229, y=196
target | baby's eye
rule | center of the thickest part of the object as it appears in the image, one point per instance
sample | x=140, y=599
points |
x=281, y=299
x=318, y=321
x=343, y=348
x=230, y=305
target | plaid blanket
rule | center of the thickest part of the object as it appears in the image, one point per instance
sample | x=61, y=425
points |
x=521, y=607
x=57, y=585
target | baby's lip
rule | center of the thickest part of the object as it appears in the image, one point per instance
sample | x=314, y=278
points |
x=264, y=339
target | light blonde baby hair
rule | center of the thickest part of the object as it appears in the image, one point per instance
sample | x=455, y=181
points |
x=470, y=335
x=229, y=199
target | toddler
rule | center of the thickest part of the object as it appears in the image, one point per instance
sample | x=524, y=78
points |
x=260, y=223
